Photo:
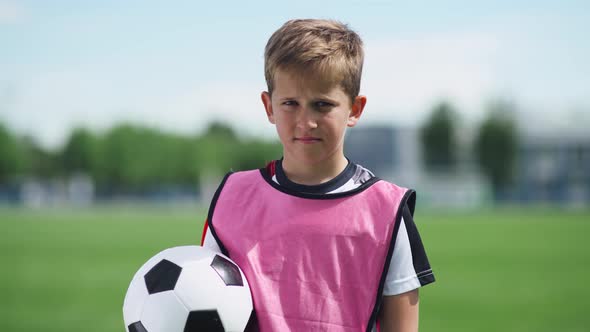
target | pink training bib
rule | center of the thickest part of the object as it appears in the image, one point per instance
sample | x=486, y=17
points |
x=314, y=263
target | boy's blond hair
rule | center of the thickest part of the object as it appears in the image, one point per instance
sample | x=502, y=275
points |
x=316, y=48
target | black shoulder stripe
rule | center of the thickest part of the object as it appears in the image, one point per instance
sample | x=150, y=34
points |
x=426, y=279
x=411, y=203
x=211, y=211
x=419, y=258
x=409, y=195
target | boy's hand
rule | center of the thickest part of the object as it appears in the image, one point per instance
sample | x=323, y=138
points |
x=400, y=312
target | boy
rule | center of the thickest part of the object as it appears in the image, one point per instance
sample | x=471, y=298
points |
x=325, y=245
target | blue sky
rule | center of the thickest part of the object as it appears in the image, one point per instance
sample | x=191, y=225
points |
x=179, y=64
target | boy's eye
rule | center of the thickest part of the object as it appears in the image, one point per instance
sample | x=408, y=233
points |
x=290, y=103
x=323, y=104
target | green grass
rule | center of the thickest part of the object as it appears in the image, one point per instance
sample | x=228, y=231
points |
x=509, y=270
x=514, y=270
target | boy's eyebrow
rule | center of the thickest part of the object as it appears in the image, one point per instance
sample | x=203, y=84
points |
x=327, y=98
x=314, y=98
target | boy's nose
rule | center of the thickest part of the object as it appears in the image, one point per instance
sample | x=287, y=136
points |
x=306, y=119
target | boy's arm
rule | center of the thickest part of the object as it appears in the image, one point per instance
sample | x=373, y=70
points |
x=400, y=312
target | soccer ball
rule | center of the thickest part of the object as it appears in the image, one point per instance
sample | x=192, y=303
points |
x=186, y=289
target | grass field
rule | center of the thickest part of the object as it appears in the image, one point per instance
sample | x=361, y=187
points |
x=509, y=270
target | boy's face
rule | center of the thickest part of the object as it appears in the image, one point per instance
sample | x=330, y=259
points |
x=311, y=117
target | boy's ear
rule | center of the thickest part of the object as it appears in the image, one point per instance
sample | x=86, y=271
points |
x=357, y=109
x=265, y=96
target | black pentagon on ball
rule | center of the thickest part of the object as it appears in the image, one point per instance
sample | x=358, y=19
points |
x=252, y=325
x=137, y=327
x=203, y=320
x=228, y=271
x=162, y=277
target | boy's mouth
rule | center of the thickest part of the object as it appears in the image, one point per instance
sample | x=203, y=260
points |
x=307, y=139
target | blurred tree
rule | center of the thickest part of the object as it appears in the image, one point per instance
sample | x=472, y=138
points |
x=137, y=158
x=257, y=153
x=132, y=158
x=79, y=152
x=219, y=147
x=39, y=161
x=12, y=160
x=438, y=138
x=129, y=156
x=496, y=144
x=220, y=130
x=188, y=163
x=178, y=163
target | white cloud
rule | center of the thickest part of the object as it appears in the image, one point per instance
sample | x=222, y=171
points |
x=11, y=12
x=539, y=62
x=48, y=105
x=403, y=78
x=235, y=103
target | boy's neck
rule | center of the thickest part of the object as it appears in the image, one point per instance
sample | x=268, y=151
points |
x=314, y=174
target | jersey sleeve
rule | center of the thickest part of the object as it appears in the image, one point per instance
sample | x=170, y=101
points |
x=409, y=267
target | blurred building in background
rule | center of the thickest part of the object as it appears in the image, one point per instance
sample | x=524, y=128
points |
x=77, y=190
x=554, y=168
x=395, y=154
x=551, y=169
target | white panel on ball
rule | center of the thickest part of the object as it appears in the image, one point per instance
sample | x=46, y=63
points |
x=198, y=288
x=134, y=301
x=164, y=312
x=232, y=312
x=181, y=255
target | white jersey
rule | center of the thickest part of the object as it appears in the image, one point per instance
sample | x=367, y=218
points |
x=409, y=267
